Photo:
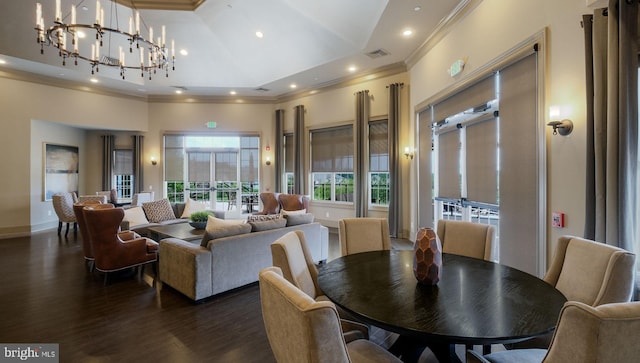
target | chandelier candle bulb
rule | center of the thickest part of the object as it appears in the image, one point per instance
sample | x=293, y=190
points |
x=130, y=25
x=58, y=12
x=73, y=14
x=97, y=11
x=151, y=34
x=38, y=17
x=162, y=44
x=137, y=23
x=101, y=17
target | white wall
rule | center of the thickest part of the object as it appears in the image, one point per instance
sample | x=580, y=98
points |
x=496, y=26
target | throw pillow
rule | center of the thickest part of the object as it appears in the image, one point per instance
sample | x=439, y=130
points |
x=267, y=225
x=213, y=222
x=225, y=231
x=296, y=219
x=135, y=216
x=158, y=211
x=289, y=212
x=263, y=217
x=192, y=206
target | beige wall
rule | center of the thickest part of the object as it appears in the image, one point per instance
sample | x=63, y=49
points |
x=493, y=28
x=487, y=32
x=33, y=114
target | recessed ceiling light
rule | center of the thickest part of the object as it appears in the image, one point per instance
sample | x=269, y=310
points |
x=417, y=8
x=179, y=91
x=407, y=32
x=352, y=69
x=93, y=80
x=184, y=52
x=259, y=34
x=2, y=61
x=232, y=92
x=85, y=8
x=293, y=85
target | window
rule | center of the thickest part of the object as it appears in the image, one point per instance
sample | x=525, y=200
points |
x=378, y=163
x=197, y=165
x=332, y=164
x=123, y=173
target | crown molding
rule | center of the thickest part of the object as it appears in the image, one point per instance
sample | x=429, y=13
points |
x=187, y=5
x=61, y=83
x=442, y=29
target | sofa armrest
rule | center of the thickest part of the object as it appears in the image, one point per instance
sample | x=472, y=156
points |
x=186, y=267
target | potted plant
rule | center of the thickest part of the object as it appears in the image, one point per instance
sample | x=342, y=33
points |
x=198, y=220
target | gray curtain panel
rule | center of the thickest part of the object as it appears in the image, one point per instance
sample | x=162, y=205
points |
x=394, y=162
x=108, y=145
x=611, y=46
x=278, y=152
x=362, y=119
x=138, y=170
x=298, y=135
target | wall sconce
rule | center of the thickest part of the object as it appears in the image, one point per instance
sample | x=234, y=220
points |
x=563, y=127
x=268, y=160
x=154, y=161
x=408, y=153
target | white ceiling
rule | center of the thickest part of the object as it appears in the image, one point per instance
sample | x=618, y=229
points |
x=310, y=43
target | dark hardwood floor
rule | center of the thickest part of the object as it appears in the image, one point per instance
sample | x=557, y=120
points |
x=47, y=295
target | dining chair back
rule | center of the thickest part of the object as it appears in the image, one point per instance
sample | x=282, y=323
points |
x=363, y=235
x=591, y=272
x=606, y=333
x=467, y=239
x=63, y=206
x=291, y=254
x=92, y=198
x=143, y=197
x=301, y=329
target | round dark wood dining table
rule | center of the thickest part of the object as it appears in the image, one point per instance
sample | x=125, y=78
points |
x=476, y=302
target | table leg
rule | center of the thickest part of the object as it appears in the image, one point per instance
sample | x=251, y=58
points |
x=410, y=350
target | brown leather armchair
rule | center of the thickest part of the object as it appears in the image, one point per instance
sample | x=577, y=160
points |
x=292, y=202
x=111, y=251
x=87, y=247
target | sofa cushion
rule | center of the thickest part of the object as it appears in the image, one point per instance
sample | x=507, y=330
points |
x=263, y=217
x=267, y=225
x=135, y=216
x=224, y=231
x=296, y=219
x=213, y=222
x=158, y=211
x=192, y=206
x=285, y=212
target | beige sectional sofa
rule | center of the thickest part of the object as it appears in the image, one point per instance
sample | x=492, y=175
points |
x=221, y=264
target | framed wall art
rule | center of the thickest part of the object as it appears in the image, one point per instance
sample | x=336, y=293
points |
x=60, y=169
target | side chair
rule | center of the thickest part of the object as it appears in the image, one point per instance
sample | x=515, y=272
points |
x=589, y=272
x=301, y=329
x=585, y=334
x=363, y=235
x=467, y=239
x=63, y=206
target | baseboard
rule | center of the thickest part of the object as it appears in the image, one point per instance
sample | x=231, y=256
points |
x=329, y=223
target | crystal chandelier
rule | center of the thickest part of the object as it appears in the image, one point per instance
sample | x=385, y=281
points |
x=109, y=41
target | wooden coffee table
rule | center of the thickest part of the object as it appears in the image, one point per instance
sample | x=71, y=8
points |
x=182, y=231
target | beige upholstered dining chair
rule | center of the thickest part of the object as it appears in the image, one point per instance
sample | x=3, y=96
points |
x=585, y=334
x=291, y=254
x=93, y=198
x=63, y=206
x=301, y=329
x=143, y=197
x=467, y=239
x=590, y=272
x=363, y=234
